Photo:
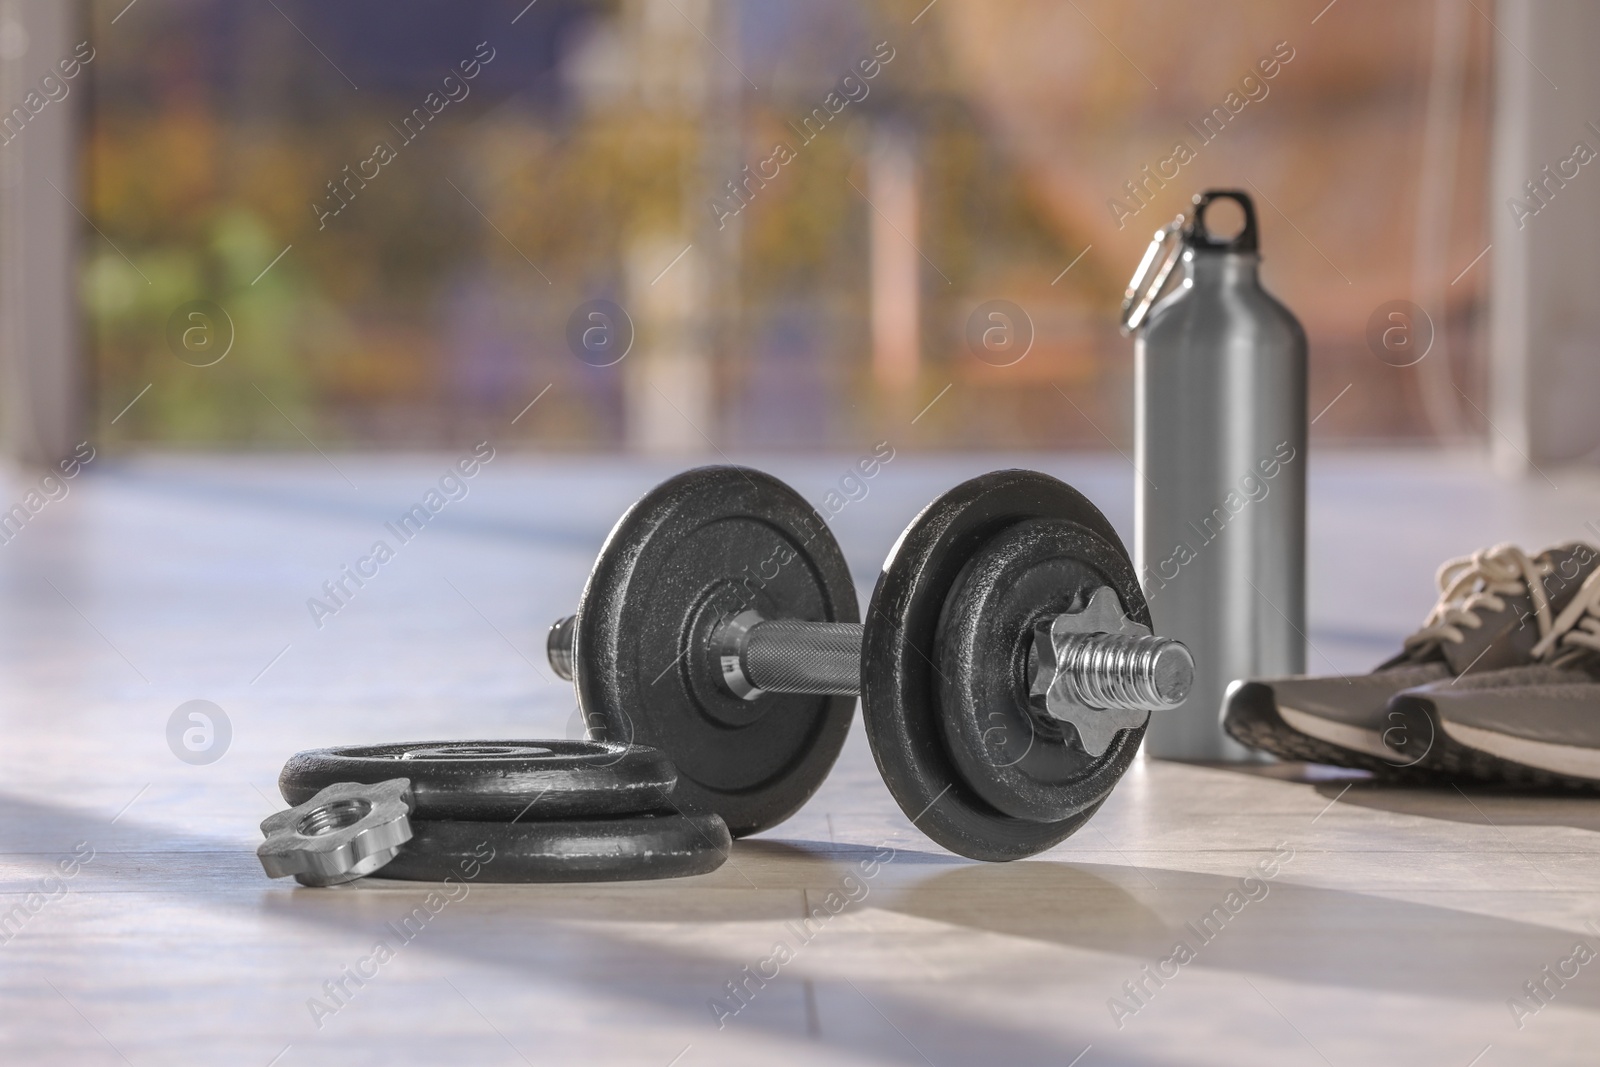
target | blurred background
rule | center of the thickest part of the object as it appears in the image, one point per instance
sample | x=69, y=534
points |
x=766, y=224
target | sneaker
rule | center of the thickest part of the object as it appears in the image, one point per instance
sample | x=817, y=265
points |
x=1480, y=624
x=1537, y=725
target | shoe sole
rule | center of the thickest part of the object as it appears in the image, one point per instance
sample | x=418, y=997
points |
x=1337, y=734
x=1564, y=760
x=1252, y=718
x=1451, y=755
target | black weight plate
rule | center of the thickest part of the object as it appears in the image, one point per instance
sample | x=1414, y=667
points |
x=575, y=850
x=901, y=679
x=495, y=780
x=1020, y=760
x=701, y=547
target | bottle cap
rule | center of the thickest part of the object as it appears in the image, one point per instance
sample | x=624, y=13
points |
x=1195, y=235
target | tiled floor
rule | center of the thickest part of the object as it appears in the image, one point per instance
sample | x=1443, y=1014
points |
x=1389, y=925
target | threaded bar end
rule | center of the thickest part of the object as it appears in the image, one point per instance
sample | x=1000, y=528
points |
x=1124, y=672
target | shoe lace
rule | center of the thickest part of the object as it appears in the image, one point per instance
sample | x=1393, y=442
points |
x=1577, y=629
x=1483, y=580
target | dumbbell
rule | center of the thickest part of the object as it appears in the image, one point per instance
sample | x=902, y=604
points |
x=1006, y=669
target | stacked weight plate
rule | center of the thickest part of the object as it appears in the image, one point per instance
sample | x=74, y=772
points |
x=526, y=811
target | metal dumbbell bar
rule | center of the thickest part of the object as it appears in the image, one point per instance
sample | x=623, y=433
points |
x=1006, y=672
x=1098, y=671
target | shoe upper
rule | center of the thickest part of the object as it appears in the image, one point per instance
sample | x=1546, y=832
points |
x=1554, y=701
x=1357, y=700
x=1494, y=609
x=1575, y=634
x=1493, y=683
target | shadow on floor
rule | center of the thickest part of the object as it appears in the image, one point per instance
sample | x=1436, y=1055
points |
x=580, y=933
x=1480, y=806
x=1474, y=803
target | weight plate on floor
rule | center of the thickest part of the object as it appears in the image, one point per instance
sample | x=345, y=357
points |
x=1015, y=757
x=572, y=850
x=904, y=671
x=495, y=780
x=697, y=549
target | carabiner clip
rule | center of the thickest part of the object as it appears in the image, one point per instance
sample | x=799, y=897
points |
x=1149, y=280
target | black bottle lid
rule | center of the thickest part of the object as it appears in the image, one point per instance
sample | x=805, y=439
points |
x=1195, y=235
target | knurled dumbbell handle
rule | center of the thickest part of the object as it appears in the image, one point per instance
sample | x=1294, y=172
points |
x=785, y=656
x=781, y=656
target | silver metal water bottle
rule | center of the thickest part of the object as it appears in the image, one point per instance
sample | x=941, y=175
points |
x=1220, y=512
